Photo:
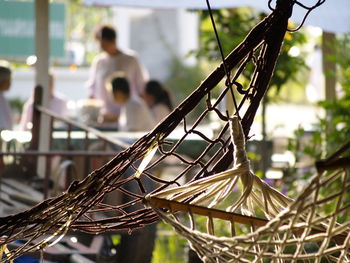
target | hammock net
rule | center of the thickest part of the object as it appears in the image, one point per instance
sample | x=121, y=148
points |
x=313, y=228
x=86, y=205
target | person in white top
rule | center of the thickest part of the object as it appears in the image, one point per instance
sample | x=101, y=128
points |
x=158, y=99
x=5, y=83
x=57, y=104
x=134, y=113
x=111, y=60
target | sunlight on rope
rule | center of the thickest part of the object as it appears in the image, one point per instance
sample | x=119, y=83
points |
x=4, y=252
x=315, y=227
x=211, y=173
x=214, y=189
x=148, y=157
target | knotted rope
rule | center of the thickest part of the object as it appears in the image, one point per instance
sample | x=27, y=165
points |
x=315, y=227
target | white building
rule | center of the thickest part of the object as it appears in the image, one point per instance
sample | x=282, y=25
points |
x=157, y=35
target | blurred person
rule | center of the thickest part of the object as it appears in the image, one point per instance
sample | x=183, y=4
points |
x=57, y=104
x=158, y=99
x=134, y=116
x=5, y=83
x=134, y=113
x=113, y=59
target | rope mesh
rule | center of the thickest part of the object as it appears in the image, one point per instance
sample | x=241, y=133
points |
x=127, y=179
x=314, y=227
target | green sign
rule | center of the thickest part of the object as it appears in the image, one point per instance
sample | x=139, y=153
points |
x=17, y=29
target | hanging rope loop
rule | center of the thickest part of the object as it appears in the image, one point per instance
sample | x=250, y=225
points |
x=228, y=82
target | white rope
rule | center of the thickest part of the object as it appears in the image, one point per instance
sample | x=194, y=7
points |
x=286, y=238
x=304, y=230
x=213, y=190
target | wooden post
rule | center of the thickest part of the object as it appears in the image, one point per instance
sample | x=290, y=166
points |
x=34, y=143
x=329, y=71
x=329, y=65
x=42, y=74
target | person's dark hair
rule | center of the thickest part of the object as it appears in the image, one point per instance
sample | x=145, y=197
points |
x=120, y=84
x=161, y=95
x=5, y=70
x=106, y=32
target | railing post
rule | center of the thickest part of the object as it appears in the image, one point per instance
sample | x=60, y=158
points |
x=34, y=143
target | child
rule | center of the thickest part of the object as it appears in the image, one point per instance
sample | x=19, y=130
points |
x=157, y=98
x=134, y=113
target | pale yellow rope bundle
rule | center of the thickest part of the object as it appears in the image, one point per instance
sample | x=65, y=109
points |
x=306, y=230
x=212, y=191
x=288, y=237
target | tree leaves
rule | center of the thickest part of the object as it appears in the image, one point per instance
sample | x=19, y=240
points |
x=232, y=26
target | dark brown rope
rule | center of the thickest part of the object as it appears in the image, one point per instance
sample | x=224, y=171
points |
x=228, y=82
x=85, y=198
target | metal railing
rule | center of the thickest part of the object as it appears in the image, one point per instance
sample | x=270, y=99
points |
x=68, y=150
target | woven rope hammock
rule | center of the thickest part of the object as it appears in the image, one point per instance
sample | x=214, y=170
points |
x=311, y=228
x=213, y=190
x=131, y=174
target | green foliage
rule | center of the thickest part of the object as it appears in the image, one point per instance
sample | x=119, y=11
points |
x=82, y=22
x=343, y=61
x=169, y=247
x=183, y=80
x=332, y=130
x=232, y=26
x=16, y=104
x=296, y=178
x=336, y=127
